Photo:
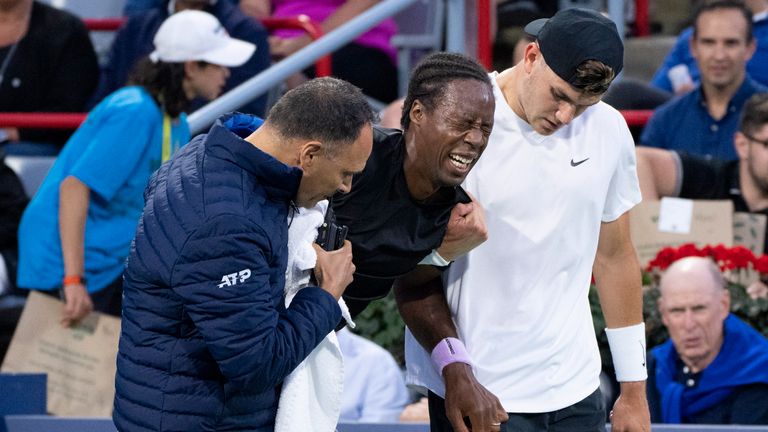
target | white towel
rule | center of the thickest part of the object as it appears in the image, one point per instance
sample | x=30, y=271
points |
x=310, y=399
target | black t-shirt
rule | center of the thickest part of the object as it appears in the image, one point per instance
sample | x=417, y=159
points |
x=390, y=232
x=54, y=68
x=704, y=178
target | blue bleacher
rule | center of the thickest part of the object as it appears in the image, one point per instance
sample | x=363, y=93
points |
x=37, y=423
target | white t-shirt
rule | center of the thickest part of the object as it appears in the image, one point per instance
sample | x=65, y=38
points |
x=519, y=300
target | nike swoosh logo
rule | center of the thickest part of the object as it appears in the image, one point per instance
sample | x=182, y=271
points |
x=575, y=164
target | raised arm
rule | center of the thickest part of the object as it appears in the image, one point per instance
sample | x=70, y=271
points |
x=350, y=9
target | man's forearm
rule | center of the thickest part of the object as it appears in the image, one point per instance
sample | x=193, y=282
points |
x=617, y=275
x=618, y=283
x=422, y=304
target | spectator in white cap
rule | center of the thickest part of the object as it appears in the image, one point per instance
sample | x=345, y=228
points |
x=75, y=234
x=134, y=41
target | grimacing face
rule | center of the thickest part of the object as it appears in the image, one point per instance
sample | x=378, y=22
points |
x=694, y=317
x=721, y=48
x=548, y=101
x=453, y=135
x=324, y=175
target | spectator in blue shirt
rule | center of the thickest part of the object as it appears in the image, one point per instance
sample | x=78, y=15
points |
x=703, y=121
x=374, y=387
x=757, y=67
x=134, y=41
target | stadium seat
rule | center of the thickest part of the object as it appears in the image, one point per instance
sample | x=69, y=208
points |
x=31, y=170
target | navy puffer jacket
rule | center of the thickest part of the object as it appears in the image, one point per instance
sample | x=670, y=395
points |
x=206, y=339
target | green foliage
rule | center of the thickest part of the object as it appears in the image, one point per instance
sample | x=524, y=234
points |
x=381, y=323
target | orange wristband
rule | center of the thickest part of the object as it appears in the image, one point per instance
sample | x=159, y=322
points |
x=73, y=280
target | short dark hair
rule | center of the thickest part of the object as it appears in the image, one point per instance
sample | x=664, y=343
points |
x=754, y=114
x=164, y=82
x=326, y=109
x=430, y=78
x=708, y=6
x=593, y=77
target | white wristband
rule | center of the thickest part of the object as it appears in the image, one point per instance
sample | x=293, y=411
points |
x=434, y=259
x=628, y=352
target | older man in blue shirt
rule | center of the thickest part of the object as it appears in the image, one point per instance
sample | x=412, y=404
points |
x=703, y=121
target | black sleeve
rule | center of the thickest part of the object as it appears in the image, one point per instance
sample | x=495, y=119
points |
x=13, y=199
x=74, y=78
x=703, y=178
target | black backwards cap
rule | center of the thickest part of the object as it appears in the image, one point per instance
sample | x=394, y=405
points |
x=573, y=36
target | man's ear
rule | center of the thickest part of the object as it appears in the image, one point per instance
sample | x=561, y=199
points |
x=725, y=301
x=417, y=112
x=660, y=307
x=532, y=52
x=308, y=153
x=191, y=68
x=741, y=144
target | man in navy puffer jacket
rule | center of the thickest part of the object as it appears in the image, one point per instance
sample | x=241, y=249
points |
x=206, y=339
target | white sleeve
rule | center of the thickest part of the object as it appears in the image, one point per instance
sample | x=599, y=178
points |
x=624, y=189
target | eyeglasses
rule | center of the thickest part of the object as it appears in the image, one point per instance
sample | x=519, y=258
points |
x=751, y=138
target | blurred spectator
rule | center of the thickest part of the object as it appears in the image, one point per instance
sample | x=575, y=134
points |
x=76, y=232
x=417, y=412
x=703, y=121
x=134, y=41
x=133, y=7
x=374, y=388
x=47, y=63
x=13, y=199
x=369, y=62
x=681, y=60
x=743, y=181
x=714, y=367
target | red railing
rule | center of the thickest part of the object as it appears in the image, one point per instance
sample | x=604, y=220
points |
x=42, y=120
x=312, y=28
x=636, y=117
x=485, y=46
x=103, y=24
x=51, y=120
x=301, y=22
x=642, y=24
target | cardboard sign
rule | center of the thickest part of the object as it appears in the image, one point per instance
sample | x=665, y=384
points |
x=79, y=361
x=711, y=223
x=749, y=231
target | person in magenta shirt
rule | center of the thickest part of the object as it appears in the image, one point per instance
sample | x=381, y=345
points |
x=369, y=62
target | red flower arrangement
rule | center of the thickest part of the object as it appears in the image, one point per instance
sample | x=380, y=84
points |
x=728, y=258
x=746, y=274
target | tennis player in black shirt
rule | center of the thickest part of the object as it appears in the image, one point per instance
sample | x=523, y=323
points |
x=400, y=205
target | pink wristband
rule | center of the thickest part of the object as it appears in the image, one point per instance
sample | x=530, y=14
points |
x=447, y=351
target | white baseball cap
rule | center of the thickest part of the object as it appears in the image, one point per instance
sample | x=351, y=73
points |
x=192, y=35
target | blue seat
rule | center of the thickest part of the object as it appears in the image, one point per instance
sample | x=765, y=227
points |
x=43, y=423
x=21, y=394
x=31, y=170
